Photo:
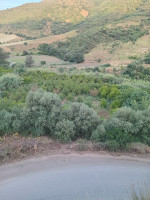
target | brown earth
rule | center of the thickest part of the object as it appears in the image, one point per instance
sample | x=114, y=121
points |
x=19, y=46
x=16, y=147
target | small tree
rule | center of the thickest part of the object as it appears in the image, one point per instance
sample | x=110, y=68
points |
x=29, y=61
x=3, y=56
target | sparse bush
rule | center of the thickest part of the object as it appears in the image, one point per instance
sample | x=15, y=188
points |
x=25, y=53
x=96, y=69
x=143, y=194
x=111, y=145
x=61, y=69
x=82, y=145
x=106, y=65
x=139, y=148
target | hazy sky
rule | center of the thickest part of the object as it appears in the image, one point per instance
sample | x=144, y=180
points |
x=4, y=4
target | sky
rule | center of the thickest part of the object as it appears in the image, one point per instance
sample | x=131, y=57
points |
x=4, y=4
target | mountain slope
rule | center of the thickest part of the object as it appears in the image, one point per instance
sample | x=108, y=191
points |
x=102, y=29
x=68, y=10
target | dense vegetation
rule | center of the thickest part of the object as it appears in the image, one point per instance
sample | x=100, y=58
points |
x=71, y=105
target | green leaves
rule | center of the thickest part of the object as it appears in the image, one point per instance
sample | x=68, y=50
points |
x=9, y=81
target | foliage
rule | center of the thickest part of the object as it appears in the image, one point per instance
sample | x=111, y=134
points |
x=43, y=62
x=147, y=59
x=9, y=81
x=5, y=122
x=125, y=126
x=74, y=49
x=41, y=113
x=9, y=122
x=3, y=57
x=84, y=119
x=137, y=71
x=5, y=70
x=65, y=130
x=29, y=61
x=139, y=100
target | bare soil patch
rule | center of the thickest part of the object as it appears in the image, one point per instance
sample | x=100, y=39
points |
x=5, y=38
x=16, y=147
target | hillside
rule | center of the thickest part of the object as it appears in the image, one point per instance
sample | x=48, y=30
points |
x=67, y=10
x=54, y=17
x=109, y=30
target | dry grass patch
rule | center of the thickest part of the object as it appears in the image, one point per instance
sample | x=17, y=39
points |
x=19, y=46
x=4, y=38
x=139, y=148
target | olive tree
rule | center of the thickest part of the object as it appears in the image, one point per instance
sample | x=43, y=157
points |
x=41, y=114
x=84, y=118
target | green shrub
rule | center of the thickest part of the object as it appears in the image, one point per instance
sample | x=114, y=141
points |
x=25, y=53
x=9, y=81
x=99, y=135
x=5, y=70
x=5, y=122
x=106, y=65
x=3, y=57
x=139, y=100
x=29, y=61
x=103, y=103
x=65, y=130
x=96, y=69
x=43, y=62
x=61, y=69
x=85, y=119
x=41, y=114
x=137, y=71
x=124, y=127
x=25, y=43
x=147, y=59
